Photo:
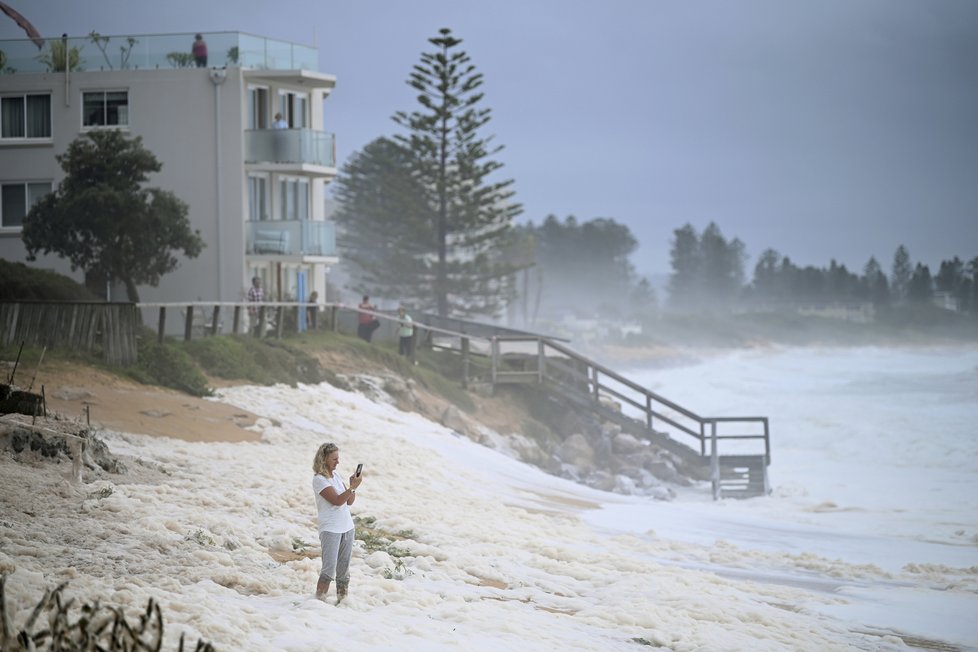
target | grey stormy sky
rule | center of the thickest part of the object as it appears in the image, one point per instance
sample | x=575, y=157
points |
x=824, y=129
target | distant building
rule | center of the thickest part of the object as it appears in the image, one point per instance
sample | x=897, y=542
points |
x=255, y=193
x=947, y=301
x=860, y=313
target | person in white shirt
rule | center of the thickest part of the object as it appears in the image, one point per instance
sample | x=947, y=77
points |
x=279, y=122
x=336, y=532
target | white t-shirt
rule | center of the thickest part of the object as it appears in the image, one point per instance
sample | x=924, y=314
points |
x=332, y=518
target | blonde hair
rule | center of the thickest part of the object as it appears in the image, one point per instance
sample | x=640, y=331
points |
x=319, y=462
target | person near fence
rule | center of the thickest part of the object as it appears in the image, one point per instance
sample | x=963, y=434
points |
x=255, y=296
x=366, y=323
x=312, y=311
x=405, y=333
x=336, y=528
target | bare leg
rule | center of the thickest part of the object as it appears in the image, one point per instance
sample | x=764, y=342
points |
x=322, y=586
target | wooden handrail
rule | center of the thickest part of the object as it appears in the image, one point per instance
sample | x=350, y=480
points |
x=590, y=374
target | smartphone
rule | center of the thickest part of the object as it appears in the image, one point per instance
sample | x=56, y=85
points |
x=359, y=468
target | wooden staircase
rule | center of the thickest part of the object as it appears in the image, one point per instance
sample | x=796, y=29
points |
x=739, y=470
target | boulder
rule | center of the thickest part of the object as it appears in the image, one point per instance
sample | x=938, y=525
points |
x=577, y=451
x=626, y=444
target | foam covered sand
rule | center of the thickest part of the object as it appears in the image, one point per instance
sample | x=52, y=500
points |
x=498, y=554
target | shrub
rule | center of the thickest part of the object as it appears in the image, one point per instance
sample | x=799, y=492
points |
x=23, y=283
x=168, y=365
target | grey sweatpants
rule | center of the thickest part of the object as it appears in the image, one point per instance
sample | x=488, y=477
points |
x=337, y=550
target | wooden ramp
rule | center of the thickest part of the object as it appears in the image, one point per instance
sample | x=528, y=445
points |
x=732, y=452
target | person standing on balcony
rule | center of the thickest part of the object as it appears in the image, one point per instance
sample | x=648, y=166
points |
x=199, y=51
x=405, y=332
x=255, y=296
x=280, y=122
x=366, y=323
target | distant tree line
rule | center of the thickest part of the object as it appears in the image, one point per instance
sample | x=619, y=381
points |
x=424, y=219
x=708, y=274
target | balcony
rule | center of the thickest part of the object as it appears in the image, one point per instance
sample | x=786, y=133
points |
x=291, y=238
x=290, y=146
x=154, y=51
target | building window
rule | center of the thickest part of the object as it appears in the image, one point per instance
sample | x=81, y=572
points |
x=257, y=107
x=295, y=199
x=294, y=108
x=105, y=109
x=258, y=199
x=25, y=116
x=16, y=200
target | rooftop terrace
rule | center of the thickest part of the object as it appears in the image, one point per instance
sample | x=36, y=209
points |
x=152, y=51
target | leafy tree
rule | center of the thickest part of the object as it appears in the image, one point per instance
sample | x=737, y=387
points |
x=684, y=256
x=384, y=224
x=722, y=267
x=586, y=264
x=901, y=273
x=874, y=280
x=970, y=287
x=768, y=285
x=470, y=215
x=103, y=221
x=921, y=286
x=707, y=270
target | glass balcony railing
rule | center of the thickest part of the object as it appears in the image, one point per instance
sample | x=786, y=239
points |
x=153, y=51
x=290, y=146
x=291, y=238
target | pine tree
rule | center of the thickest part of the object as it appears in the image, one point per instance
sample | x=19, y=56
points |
x=470, y=215
x=920, y=289
x=684, y=282
x=901, y=273
x=383, y=223
x=874, y=280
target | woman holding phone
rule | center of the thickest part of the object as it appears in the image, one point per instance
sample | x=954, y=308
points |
x=333, y=500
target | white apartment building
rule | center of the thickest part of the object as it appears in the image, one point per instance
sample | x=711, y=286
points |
x=256, y=194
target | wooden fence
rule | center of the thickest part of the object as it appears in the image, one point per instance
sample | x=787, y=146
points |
x=110, y=327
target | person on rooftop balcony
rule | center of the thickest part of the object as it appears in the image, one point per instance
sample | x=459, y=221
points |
x=199, y=50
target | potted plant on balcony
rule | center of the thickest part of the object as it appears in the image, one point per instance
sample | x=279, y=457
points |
x=60, y=57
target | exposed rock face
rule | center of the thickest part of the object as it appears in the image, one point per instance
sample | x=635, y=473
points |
x=61, y=440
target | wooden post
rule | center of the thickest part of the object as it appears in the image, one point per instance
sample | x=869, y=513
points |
x=162, y=323
x=495, y=358
x=414, y=346
x=465, y=362
x=236, y=320
x=188, y=325
x=648, y=411
x=714, y=461
x=541, y=362
x=261, y=322
x=279, y=314
x=594, y=384
x=333, y=326
x=215, y=316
